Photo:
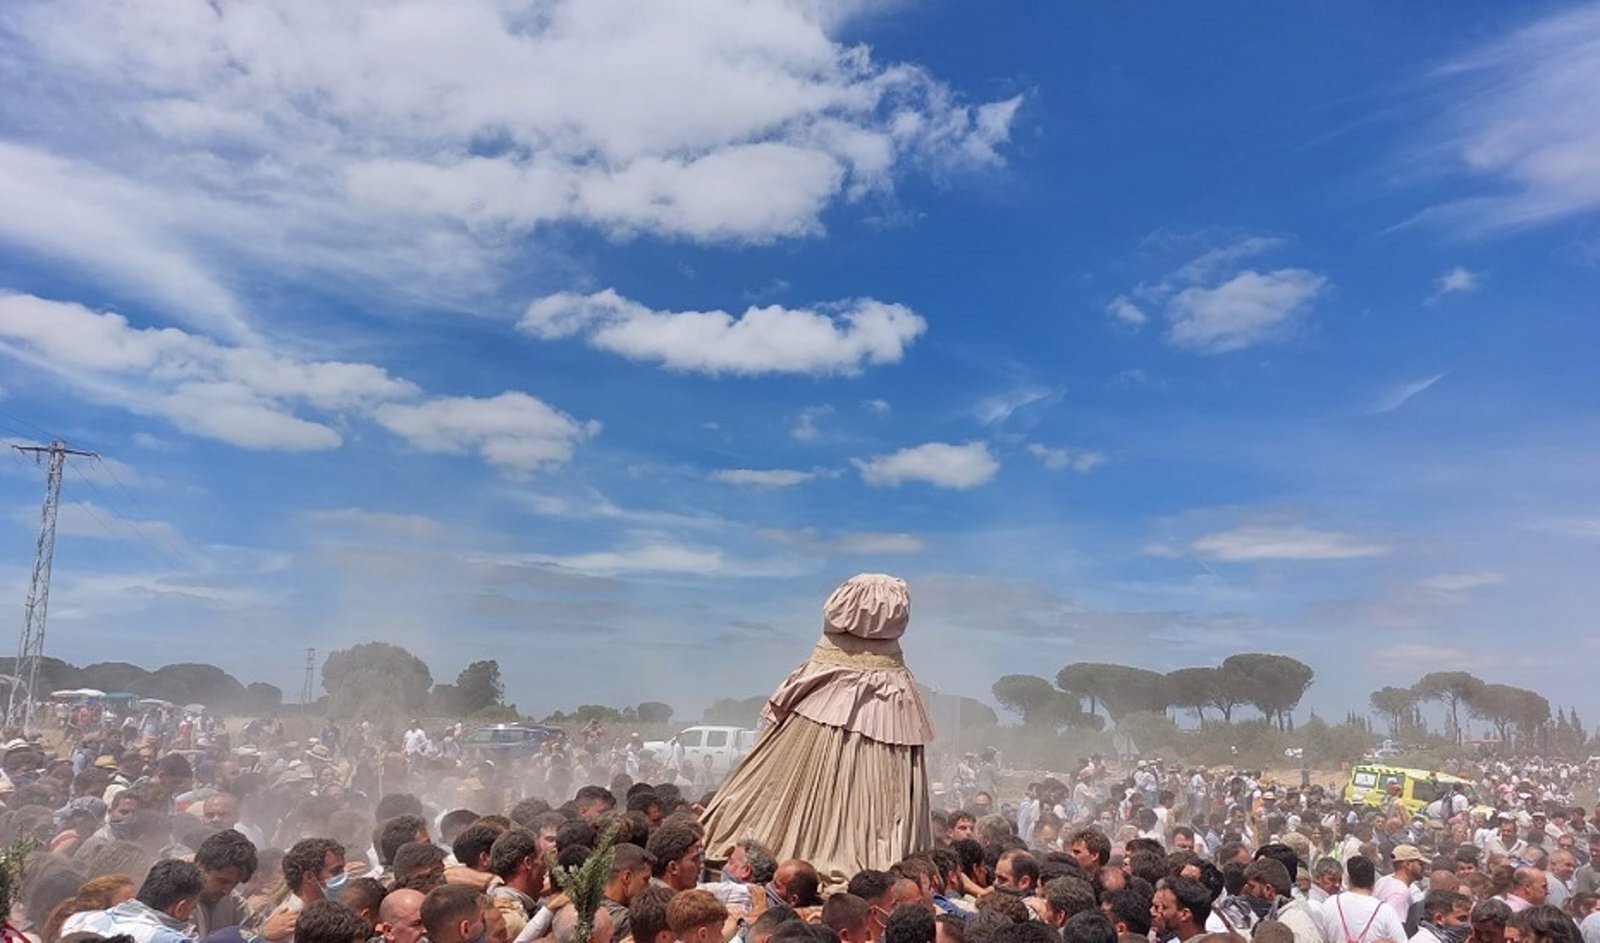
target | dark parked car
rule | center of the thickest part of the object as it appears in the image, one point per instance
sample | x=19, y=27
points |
x=507, y=741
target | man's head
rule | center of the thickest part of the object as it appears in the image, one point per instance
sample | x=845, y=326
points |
x=962, y=824
x=1180, y=907
x=397, y=831
x=400, y=917
x=678, y=856
x=454, y=913
x=226, y=860
x=909, y=924
x=1089, y=927
x=314, y=868
x=419, y=866
x=749, y=862
x=1129, y=910
x=796, y=883
x=172, y=887
x=1017, y=871
x=514, y=858
x=1466, y=861
x=1508, y=830
x=1066, y=896
x=1091, y=848
x=647, y=915
x=364, y=897
x=1183, y=838
x=1530, y=884
x=593, y=800
x=1409, y=865
x=1363, y=873
x=473, y=844
x=877, y=889
x=630, y=873
x=695, y=916
x=1563, y=864
x=850, y=917
x=1446, y=908
x=323, y=921
x=174, y=774
x=982, y=804
x=220, y=810
x=1328, y=874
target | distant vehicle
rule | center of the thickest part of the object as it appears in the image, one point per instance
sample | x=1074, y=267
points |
x=1369, y=783
x=507, y=741
x=725, y=745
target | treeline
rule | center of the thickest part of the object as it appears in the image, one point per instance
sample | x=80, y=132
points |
x=1520, y=717
x=1272, y=684
x=184, y=683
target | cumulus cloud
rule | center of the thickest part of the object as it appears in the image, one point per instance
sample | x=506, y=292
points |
x=805, y=427
x=1457, y=281
x=1213, y=306
x=762, y=477
x=1079, y=460
x=834, y=339
x=1248, y=308
x=513, y=430
x=1247, y=544
x=936, y=463
x=415, y=144
x=241, y=395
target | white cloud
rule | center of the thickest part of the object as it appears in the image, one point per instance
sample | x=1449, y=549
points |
x=878, y=407
x=1246, y=544
x=805, y=427
x=840, y=338
x=89, y=519
x=1457, y=281
x=762, y=477
x=1521, y=122
x=997, y=409
x=513, y=430
x=413, y=145
x=936, y=463
x=383, y=523
x=1452, y=583
x=1248, y=308
x=1400, y=394
x=881, y=544
x=245, y=396
x=1211, y=305
x=1126, y=311
x=1079, y=460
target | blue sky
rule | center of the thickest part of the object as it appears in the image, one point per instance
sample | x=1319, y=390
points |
x=605, y=338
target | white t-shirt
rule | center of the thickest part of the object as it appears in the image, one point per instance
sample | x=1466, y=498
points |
x=1359, y=918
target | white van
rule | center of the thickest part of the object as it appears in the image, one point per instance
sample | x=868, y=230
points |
x=725, y=745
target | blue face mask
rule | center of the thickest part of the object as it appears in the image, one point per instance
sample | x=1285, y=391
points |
x=332, y=886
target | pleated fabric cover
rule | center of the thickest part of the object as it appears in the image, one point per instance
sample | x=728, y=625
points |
x=840, y=800
x=857, y=685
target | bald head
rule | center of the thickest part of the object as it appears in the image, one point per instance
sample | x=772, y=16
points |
x=796, y=882
x=397, y=904
x=1442, y=880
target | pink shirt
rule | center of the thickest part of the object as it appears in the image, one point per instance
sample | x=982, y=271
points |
x=1394, y=892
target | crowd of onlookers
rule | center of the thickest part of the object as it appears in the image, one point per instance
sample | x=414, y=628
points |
x=348, y=837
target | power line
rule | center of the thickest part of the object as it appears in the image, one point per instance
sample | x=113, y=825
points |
x=131, y=525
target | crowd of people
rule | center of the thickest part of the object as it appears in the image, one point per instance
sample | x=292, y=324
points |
x=349, y=837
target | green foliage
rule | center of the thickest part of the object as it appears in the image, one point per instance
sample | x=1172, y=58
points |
x=478, y=686
x=653, y=712
x=374, y=679
x=585, y=885
x=1506, y=706
x=1453, y=689
x=1394, y=704
x=12, y=860
x=1275, y=683
x=1120, y=689
x=1193, y=688
x=739, y=712
x=1028, y=696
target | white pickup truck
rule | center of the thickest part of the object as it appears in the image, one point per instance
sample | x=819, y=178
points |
x=725, y=745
